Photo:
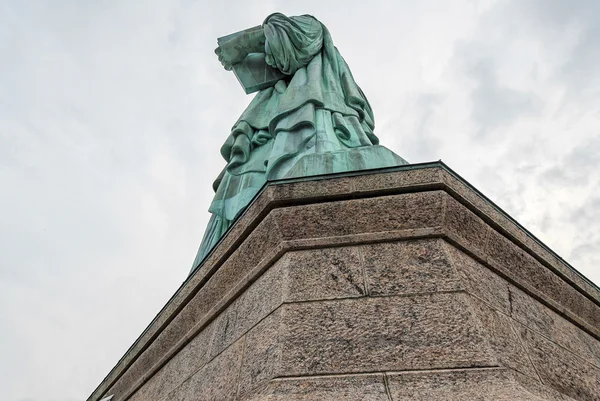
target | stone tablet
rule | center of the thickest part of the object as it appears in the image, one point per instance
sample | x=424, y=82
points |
x=253, y=73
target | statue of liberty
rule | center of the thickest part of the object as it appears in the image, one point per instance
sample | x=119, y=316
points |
x=314, y=120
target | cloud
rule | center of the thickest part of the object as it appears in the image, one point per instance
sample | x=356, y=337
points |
x=112, y=115
x=571, y=40
x=578, y=167
x=493, y=103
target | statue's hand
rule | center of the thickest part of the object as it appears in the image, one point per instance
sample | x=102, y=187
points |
x=231, y=53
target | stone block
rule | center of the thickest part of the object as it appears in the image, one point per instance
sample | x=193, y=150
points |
x=396, y=180
x=262, y=355
x=528, y=272
x=296, y=276
x=261, y=298
x=375, y=334
x=264, y=238
x=234, y=270
x=153, y=354
x=357, y=216
x=462, y=223
x=480, y=281
x=408, y=267
x=561, y=369
x=495, y=384
x=503, y=339
x=313, y=189
x=539, y=318
x=535, y=386
x=183, y=365
x=327, y=273
x=364, y=335
x=225, y=332
x=369, y=387
x=509, y=257
x=231, y=274
x=218, y=380
x=457, y=186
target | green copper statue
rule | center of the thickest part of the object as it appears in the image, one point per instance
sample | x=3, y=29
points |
x=313, y=119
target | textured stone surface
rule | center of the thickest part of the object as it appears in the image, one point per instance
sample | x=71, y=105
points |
x=313, y=189
x=461, y=222
x=375, y=334
x=562, y=370
x=351, y=238
x=459, y=385
x=323, y=274
x=298, y=276
x=261, y=298
x=527, y=271
x=166, y=340
x=262, y=356
x=408, y=267
x=264, y=237
x=224, y=330
x=332, y=388
x=479, y=281
x=364, y=335
x=216, y=381
x=183, y=365
x=465, y=192
x=394, y=212
x=394, y=180
x=503, y=339
x=513, y=302
x=534, y=386
x=541, y=319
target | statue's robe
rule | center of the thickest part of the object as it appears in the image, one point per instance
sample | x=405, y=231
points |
x=319, y=109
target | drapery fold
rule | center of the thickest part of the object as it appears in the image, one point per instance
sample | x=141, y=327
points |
x=291, y=42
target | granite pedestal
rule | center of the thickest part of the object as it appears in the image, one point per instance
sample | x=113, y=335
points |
x=396, y=284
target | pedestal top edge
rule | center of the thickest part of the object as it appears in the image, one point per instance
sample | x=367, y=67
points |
x=442, y=177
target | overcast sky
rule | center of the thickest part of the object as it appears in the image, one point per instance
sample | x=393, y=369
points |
x=112, y=113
